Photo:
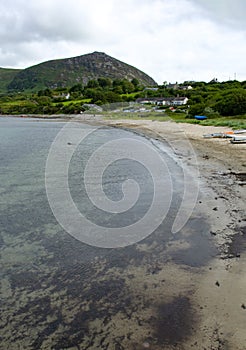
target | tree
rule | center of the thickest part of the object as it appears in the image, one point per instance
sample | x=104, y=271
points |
x=196, y=109
x=194, y=99
x=135, y=82
x=112, y=97
x=104, y=82
x=127, y=86
x=232, y=103
x=117, y=82
x=92, y=84
x=43, y=100
x=76, y=88
x=45, y=92
x=118, y=89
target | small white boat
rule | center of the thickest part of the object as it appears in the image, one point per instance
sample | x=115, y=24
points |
x=239, y=131
x=238, y=139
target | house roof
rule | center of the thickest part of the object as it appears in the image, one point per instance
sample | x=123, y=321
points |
x=159, y=99
x=180, y=98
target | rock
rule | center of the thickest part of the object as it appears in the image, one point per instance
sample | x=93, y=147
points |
x=213, y=233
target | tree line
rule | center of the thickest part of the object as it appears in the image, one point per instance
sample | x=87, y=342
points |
x=213, y=99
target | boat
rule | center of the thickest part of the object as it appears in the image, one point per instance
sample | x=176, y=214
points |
x=239, y=131
x=238, y=139
x=226, y=134
x=200, y=117
x=215, y=134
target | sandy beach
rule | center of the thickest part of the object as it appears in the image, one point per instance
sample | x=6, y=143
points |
x=220, y=294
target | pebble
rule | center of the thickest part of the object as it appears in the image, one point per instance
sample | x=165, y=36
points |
x=146, y=345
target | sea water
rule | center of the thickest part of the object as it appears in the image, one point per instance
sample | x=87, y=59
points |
x=58, y=292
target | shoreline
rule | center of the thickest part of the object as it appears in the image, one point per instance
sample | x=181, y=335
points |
x=222, y=168
x=207, y=301
x=221, y=165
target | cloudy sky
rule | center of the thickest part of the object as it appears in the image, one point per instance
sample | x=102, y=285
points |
x=171, y=40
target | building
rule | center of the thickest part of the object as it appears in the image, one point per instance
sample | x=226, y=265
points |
x=172, y=86
x=185, y=87
x=163, y=101
x=179, y=101
x=151, y=89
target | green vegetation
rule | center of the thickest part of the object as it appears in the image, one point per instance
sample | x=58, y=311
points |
x=234, y=122
x=224, y=104
x=6, y=76
x=214, y=99
x=71, y=100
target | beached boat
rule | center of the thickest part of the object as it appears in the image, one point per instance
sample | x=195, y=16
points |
x=226, y=134
x=215, y=134
x=200, y=117
x=238, y=139
x=239, y=131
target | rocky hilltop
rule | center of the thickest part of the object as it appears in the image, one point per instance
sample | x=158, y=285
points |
x=70, y=71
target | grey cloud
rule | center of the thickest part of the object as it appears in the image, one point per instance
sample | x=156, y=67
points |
x=228, y=12
x=162, y=37
x=25, y=22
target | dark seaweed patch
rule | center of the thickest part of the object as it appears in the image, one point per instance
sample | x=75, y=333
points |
x=27, y=280
x=76, y=332
x=174, y=321
x=238, y=244
x=36, y=310
x=51, y=328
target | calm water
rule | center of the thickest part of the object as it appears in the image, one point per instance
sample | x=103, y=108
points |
x=59, y=293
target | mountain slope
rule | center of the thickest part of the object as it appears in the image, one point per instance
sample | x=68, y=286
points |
x=6, y=76
x=70, y=71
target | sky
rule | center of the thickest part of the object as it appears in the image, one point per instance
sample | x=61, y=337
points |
x=171, y=40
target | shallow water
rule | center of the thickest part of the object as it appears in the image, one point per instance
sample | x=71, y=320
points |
x=59, y=293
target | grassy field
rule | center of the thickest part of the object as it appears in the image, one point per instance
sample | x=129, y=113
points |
x=235, y=122
x=69, y=102
x=13, y=107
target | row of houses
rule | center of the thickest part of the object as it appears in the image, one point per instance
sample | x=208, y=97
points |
x=163, y=101
x=171, y=86
x=176, y=86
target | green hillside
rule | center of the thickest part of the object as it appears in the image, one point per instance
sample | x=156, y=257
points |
x=6, y=76
x=68, y=72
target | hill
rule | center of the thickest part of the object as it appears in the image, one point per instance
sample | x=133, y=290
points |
x=6, y=76
x=70, y=71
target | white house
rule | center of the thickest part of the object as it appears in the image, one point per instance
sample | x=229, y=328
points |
x=179, y=101
x=163, y=101
x=185, y=87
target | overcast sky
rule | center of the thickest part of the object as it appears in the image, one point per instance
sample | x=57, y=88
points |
x=171, y=40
